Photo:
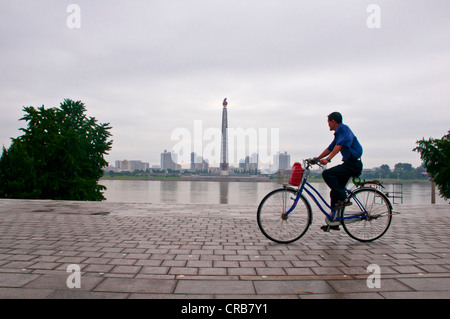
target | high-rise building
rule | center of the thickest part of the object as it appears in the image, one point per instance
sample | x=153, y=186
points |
x=282, y=161
x=198, y=163
x=193, y=159
x=224, y=148
x=285, y=161
x=249, y=163
x=169, y=161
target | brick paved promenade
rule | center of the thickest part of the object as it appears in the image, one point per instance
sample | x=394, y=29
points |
x=211, y=251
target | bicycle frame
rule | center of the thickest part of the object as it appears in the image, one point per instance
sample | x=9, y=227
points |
x=309, y=189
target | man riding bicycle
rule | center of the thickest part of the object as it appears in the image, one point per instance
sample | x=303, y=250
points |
x=337, y=177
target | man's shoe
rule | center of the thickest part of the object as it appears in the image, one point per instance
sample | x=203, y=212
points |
x=342, y=203
x=327, y=228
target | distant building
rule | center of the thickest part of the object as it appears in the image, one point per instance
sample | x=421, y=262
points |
x=122, y=165
x=131, y=166
x=198, y=163
x=249, y=163
x=193, y=159
x=138, y=166
x=169, y=161
x=282, y=161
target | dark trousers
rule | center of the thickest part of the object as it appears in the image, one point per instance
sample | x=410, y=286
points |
x=337, y=178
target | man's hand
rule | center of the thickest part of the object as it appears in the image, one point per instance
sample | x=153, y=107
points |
x=324, y=161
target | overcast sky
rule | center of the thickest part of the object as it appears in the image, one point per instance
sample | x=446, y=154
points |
x=151, y=67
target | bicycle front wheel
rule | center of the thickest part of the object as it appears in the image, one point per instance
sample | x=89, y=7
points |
x=369, y=216
x=274, y=223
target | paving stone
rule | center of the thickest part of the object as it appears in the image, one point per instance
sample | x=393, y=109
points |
x=126, y=269
x=214, y=287
x=24, y=293
x=16, y=280
x=44, y=265
x=416, y=295
x=212, y=271
x=299, y=271
x=241, y=271
x=183, y=271
x=356, y=286
x=60, y=282
x=98, y=268
x=407, y=269
x=289, y=287
x=82, y=294
x=133, y=285
x=427, y=284
x=154, y=270
x=433, y=269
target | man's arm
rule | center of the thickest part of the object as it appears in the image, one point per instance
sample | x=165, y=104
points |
x=324, y=154
x=329, y=155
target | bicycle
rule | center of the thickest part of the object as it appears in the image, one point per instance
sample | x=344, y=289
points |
x=284, y=215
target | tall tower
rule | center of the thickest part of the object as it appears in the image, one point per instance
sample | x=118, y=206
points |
x=224, y=149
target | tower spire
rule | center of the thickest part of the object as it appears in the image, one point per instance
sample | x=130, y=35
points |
x=224, y=149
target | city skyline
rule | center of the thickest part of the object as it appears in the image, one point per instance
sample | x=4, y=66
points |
x=282, y=160
x=170, y=161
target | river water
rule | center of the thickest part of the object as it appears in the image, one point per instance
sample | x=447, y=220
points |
x=244, y=193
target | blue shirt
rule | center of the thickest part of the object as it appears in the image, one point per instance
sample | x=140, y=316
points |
x=350, y=145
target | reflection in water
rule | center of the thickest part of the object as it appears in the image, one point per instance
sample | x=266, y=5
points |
x=198, y=191
x=243, y=193
x=223, y=194
x=168, y=191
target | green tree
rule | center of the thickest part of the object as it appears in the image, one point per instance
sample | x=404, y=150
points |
x=404, y=171
x=59, y=156
x=385, y=171
x=435, y=154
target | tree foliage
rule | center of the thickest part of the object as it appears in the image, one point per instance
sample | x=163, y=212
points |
x=435, y=154
x=59, y=156
x=401, y=171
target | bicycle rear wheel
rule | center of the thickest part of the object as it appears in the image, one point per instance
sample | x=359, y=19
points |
x=369, y=216
x=273, y=222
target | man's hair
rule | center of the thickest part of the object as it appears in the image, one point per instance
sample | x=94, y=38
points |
x=336, y=116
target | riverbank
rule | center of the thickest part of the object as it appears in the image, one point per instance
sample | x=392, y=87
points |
x=238, y=178
x=206, y=178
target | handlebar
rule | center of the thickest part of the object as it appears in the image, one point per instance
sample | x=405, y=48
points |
x=313, y=161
